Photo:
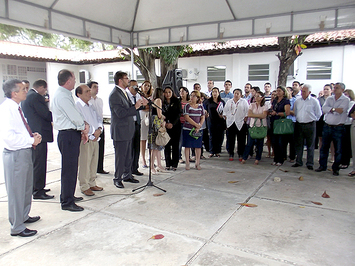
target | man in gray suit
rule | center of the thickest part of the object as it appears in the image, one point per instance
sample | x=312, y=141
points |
x=122, y=129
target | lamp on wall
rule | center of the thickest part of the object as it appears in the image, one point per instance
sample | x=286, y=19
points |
x=182, y=36
x=221, y=32
x=268, y=27
x=322, y=22
x=147, y=40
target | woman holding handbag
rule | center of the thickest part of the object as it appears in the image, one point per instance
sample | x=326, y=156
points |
x=280, y=109
x=257, y=112
x=192, y=134
x=172, y=111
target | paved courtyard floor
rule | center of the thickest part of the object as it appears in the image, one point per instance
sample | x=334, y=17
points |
x=200, y=216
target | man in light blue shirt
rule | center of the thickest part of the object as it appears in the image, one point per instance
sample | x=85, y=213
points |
x=227, y=94
x=335, y=114
x=307, y=111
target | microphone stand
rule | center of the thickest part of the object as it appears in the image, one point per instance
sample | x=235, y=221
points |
x=150, y=182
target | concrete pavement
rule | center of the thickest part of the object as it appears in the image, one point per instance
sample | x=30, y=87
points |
x=199, y=215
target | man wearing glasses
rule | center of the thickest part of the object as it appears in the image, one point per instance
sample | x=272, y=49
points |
x=122, y=129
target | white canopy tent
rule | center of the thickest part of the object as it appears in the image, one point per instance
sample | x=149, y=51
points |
x=144, y=23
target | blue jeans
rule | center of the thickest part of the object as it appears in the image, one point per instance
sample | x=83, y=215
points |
x=335, y=134
x=259, y=143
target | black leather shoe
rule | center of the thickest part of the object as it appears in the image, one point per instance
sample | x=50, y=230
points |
x=118, y=184
x=103, y=172
x=309, y=167
x=32, y=219
x=320, y=169
x=137, y=173
x=336, y=172
x=43, y=196
x=73, y=208
x=296, y=165
x=131, y=180
x=25, y=233
x=78, y=198
x=46, y=190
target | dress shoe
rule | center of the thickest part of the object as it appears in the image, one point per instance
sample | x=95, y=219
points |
x=78, y=198
x=296, y=165
x=43, y=196
x=137, y=173
x=96, y=188
x=32, y=219
x=73, y=208
x=336, y=172
x=309, y=167
x=103, y=172
x=46, y=190
x=88, y=192
x=131, y=180
x=320, y=169
x=25, y=233
x=118, y=184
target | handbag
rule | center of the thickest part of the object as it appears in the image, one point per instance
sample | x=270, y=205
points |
x=258, y=132
x=162, y=138
x=195, y=134
x=283, y=126
x=146, y=120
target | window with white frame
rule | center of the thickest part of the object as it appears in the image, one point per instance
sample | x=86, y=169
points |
x=258, y=72
x=216, y=73
x=110, y=78
x=319, y=70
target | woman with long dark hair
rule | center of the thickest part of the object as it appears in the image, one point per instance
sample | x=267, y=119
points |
x=172, y=111
x=184, y=99
x=147, y=91
x=257, y=112
x=217, y=123
x=280, y=108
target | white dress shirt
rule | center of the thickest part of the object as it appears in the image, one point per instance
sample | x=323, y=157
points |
x=98, y=104
x=131, y=98
x=13, y=131
x=307, y=110
x=334, y=118
x=235, y=112
x=90, y=116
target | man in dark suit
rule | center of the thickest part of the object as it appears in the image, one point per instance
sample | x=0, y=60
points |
x=39, y=119
x=122, y=129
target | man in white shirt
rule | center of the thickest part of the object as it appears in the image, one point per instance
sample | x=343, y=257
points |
x=98, y=105
x=307, y=111
x=296, y=88
x=89, y=151
x=335, y=115
x=18, y=141
x=210, y=85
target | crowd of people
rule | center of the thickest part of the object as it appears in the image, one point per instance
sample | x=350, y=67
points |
x=140, y=115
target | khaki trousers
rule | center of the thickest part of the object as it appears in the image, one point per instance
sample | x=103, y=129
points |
x=88, y=159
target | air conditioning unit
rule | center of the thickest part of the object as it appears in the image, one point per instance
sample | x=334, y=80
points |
x=190, y=74
x=84, y=76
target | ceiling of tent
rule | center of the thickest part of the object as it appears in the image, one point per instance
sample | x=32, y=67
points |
x=143, y=23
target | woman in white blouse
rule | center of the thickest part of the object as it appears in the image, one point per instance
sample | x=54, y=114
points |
x=235, y=111
x=257, y=111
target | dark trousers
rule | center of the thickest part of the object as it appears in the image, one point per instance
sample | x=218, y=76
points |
x=69, y=146
x=292, y=149
x=205, y=140
x=136, y=147
x=171, y=151
x=234, y=132
x=305, y=132
x=335, y=134
x=100, y=165
x=123, y=159
x=259, y=143
x=346, y=150
x=39, y=159
x=216, y=135
x=280, y=147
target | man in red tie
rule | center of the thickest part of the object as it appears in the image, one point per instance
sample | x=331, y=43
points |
x=18, y=140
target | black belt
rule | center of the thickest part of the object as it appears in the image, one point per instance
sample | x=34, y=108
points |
x=70, y=130
x=340, y=125
x=306, y=123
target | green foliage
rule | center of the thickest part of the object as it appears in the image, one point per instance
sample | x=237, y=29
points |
x=169, y=54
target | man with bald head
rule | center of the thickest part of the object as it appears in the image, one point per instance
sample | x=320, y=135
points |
x=89, y=151
x=307, y=111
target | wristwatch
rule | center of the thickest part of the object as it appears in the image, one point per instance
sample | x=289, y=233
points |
x=333, y=110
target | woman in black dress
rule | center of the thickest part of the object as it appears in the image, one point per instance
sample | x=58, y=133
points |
x=172, y=111
x=216, y=121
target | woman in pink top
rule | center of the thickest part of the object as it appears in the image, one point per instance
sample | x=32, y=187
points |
x=257, y=110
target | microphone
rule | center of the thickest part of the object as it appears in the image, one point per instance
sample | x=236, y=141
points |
x=135, y=87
